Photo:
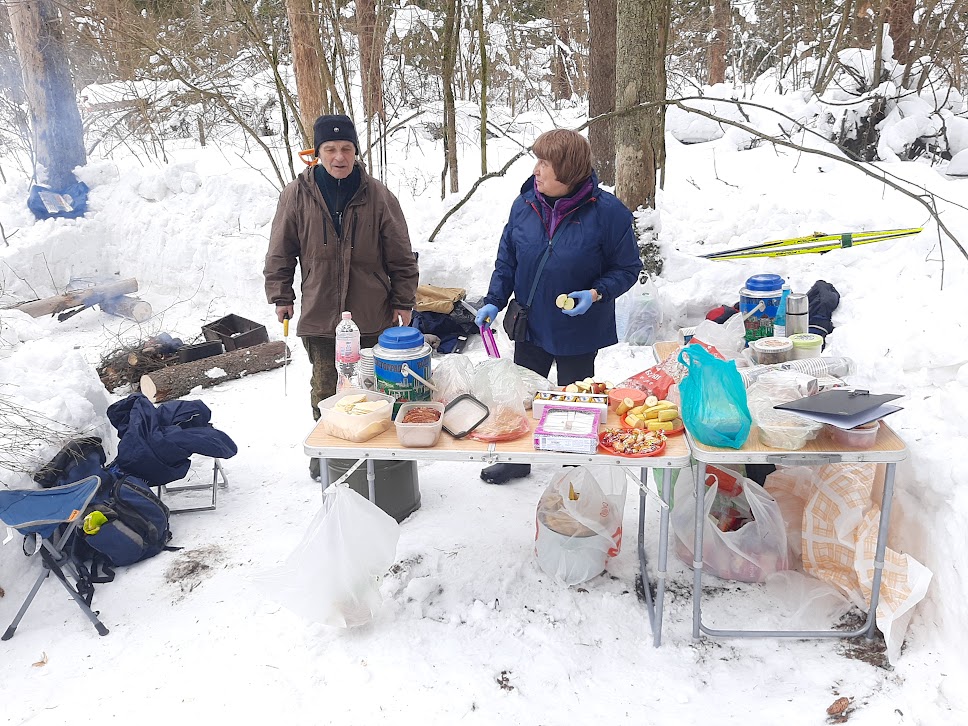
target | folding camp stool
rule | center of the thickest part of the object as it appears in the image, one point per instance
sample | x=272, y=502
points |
x=219, y=480
x=50, y=517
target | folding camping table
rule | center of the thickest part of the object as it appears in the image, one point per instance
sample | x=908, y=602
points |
x=888, y=449
x=521, y=451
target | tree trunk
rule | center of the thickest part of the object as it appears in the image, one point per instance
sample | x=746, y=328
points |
x=450, y=110
x=55, y=119
x=307, y=51
x=88, y=296
x=601, y=86
x=482, y=44
x=560, y=85
x=718, y=45
x=900, y=14
x=640, y=77
x=127, y=307
x=176, y=381
x=368, y=29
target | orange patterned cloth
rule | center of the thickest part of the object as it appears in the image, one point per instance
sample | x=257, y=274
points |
x=838, y=541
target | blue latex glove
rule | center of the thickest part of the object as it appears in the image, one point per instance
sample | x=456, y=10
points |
x=583, y=304
x=485, y=316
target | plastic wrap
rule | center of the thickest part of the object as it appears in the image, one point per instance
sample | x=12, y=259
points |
x=499, y=384
x=778, y=428
x=453, y=376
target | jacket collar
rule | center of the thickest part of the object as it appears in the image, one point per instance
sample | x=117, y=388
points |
x=531, y=194
x=307, y=180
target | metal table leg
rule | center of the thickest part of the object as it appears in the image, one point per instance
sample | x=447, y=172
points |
x=643, y=560
x=655, y=605
x=887, y=499
x=663, y=555
x=323, y=474
x=371, y=479
x=697, y=551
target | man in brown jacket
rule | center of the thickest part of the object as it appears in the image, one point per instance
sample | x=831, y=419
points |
x=348, y=234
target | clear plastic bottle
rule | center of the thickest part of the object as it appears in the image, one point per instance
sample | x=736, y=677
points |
x=780, y=323
x=347, y=352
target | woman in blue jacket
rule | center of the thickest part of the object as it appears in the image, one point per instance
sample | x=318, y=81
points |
x=564, y=235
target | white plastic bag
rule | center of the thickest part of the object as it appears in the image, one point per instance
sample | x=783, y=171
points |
x=638, y=314
x=579, y=522
x=453, y=376
x=728, y=338
x=751, y=553
x=333, y=576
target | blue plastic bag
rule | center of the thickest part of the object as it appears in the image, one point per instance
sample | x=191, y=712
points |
x=714, y=407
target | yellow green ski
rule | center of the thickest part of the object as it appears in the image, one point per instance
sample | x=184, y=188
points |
x=811, y=244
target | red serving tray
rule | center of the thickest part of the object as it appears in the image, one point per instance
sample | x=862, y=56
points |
x=613, y=452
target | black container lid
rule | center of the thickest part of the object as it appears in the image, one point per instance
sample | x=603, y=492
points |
x=464, y=414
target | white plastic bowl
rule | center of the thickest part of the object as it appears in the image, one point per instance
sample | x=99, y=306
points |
x=419, y=434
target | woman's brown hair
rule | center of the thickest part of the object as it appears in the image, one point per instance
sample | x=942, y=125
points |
x=568, y=152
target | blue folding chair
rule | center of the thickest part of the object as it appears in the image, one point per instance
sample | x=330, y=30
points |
x=49, y=518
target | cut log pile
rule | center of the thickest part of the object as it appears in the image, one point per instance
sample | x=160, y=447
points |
x=175, y=381
x=126, y=365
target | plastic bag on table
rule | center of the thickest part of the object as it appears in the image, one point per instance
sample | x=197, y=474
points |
x=453, y=376
x=749, y=554
x=778, y=428
x=728, y=338
x=532, y=383
x=578, y=523
x=333, y=576
x=660, y=378
x=714, y=407
x=638, y=314
x=499, y=384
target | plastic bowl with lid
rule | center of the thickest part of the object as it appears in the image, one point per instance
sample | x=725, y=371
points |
x=861, y=437
x=422, y=433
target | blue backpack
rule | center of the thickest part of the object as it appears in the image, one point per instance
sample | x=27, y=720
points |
x=124, y=523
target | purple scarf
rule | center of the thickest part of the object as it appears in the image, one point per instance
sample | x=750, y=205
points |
x=552, y=216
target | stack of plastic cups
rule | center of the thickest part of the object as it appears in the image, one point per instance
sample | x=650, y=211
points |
x=367, y=372
x=816, y=367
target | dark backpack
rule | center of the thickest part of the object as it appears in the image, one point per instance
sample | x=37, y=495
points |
x=136, y=527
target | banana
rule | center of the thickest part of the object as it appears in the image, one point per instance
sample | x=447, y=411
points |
x=669, y=414
x=660, y=426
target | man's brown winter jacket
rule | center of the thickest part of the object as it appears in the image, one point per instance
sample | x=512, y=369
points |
x=369, y=270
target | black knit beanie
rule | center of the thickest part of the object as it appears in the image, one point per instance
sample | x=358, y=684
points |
x=334, y=128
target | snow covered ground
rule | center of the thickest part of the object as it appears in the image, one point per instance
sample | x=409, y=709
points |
x=472, y=631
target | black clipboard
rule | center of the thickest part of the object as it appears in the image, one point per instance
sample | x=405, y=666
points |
x=839, y=402
x=842, y=408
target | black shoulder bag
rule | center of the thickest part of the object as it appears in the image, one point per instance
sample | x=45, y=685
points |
x=516, y=315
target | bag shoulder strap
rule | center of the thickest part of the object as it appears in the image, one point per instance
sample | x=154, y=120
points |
x=541, y=264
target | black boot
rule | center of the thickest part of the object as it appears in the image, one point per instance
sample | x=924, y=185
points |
x=502, y=473
x=314, y=468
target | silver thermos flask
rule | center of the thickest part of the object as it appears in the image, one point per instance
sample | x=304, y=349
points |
x=798, y=314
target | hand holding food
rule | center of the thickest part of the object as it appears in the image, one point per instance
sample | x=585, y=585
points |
x=581, y=303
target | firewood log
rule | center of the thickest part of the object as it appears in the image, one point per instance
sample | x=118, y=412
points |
x=178, y=380
x=57, y=303
x=127, y=307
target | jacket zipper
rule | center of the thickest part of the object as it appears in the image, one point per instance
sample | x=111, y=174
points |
x=547, y=231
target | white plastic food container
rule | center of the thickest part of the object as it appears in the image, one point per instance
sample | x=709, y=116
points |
x=419, y=434
x=355, y=427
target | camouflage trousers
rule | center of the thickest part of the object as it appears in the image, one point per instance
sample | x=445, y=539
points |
x=322, y=354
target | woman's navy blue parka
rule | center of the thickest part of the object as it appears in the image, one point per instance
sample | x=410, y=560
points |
x=594, y=247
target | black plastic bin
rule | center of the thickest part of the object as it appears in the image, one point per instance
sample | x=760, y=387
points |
x=397, y=486
x=235, y=332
